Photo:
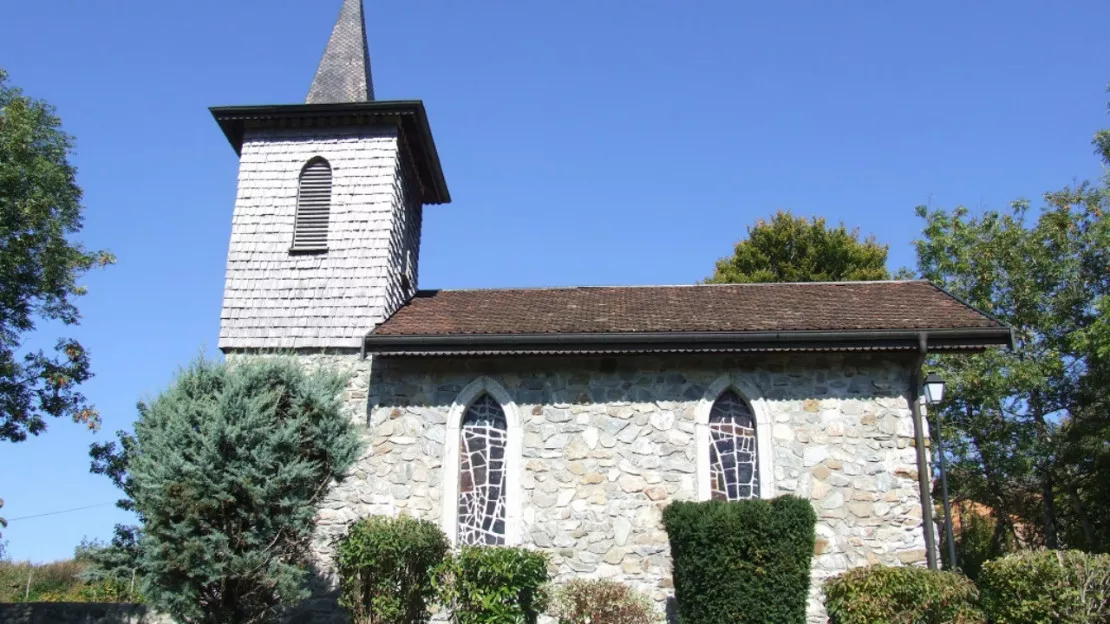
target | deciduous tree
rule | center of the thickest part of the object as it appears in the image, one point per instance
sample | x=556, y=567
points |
x=1015, y=417
x=796, y=249
x=40, y=264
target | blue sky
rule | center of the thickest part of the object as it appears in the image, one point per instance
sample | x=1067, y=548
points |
x=584, y=143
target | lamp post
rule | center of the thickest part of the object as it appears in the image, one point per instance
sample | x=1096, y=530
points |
x=934, y=394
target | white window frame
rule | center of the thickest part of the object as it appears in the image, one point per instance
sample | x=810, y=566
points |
x=750, y=392
x=514, y=458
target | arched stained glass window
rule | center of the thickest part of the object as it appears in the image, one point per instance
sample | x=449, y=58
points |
x=482, y=473
x=733, y=460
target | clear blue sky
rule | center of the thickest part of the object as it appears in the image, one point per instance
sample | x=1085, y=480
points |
x=584, y=142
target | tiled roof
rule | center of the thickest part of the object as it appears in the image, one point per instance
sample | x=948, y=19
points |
x=801, y=307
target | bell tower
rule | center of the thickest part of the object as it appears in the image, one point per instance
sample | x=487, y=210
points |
x=325, y=236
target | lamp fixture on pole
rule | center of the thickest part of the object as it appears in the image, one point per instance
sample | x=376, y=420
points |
x=934, y=389
x=934, y=394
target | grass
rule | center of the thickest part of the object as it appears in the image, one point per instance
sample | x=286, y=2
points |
x=59, y=581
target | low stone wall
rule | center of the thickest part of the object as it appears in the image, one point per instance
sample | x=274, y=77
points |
x=79, y=613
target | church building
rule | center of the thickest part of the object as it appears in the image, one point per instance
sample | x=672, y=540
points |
x=566, y=419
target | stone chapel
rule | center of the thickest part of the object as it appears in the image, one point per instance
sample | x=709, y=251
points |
x=565, y=419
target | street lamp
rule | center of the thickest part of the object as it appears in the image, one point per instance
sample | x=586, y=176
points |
x=934, y=388
x=934, y=394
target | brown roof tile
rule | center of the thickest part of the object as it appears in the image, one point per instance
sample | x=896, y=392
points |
x=844, y=306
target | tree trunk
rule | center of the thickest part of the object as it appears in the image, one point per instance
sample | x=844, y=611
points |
x=1048, y=495
x=999, y=509
x=1084, y=522
x=1048, y=488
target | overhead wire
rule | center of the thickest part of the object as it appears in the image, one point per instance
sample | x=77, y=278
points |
x=63, y=511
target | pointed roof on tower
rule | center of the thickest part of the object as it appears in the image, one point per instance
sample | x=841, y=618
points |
x=342, y=96
x=344, y=72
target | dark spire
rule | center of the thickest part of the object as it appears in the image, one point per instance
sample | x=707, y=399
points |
x=344, y=73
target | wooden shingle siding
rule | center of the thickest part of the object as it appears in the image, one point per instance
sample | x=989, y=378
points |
x=313, y=207
x=274, y=299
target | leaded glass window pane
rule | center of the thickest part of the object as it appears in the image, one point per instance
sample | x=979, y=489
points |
x=482, y=473
x=733, y=465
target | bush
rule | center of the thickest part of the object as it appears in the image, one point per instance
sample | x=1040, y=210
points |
x=741, y=562
x=902, y=596
x=1049, y=587
x=385, y=569
x=602, y=602
x=494, y=585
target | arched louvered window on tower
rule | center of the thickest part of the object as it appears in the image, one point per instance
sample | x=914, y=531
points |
x=310, y=231
x=481, y=505
x=733, y=456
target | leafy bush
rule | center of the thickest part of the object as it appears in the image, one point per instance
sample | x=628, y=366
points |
x=602, y=602
x=385, y=569
x=741, y=562
x=902, y=596
x=1047, y=587
x=494, y=585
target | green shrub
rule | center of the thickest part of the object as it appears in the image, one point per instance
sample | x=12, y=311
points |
x=742, y=562
x=494, y=585
x=1047, y=587
x=902, y=596
x=602, y=602
x=385, y=569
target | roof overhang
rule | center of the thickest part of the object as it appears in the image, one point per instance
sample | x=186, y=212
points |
x=408, y=117
x=936, y=340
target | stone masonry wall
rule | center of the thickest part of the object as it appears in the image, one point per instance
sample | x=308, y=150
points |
x=79, y=613
x=607, y=443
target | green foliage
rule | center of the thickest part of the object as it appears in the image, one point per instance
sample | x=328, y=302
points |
x=112, y=569
x=1047, y=587
x=741, y=562
x=3, y=525
x=796, y=249
x=60, y=581
x=494, y=585
x=600, y=601
x=902, y=596
x=225, y=470
x=1025, y=430
x=385, y=569
x=40, y=210
x=978, y=540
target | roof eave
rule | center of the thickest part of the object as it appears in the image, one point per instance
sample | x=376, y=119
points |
x=408, y=115
x=937, y=340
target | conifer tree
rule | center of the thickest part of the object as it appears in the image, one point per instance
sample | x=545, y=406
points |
x=225, y=470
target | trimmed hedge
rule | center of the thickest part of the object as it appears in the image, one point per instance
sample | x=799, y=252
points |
x=741, y=562
x=494, y=585
x=1047, y=587
x=902, y=596
x=600, y=601
x=385, y=569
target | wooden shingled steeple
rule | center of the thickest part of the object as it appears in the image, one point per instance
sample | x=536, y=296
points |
x=344, y=72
